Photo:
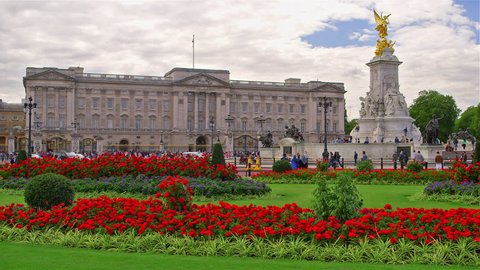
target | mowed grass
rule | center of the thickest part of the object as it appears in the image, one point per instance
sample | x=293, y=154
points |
x=25, y=256
x=374, y=196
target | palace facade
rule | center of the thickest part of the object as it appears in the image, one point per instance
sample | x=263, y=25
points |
x=12, y=127
x=184, y=110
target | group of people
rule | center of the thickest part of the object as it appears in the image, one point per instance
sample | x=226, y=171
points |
x=297, y=161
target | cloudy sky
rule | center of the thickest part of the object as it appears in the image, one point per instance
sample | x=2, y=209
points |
x=326, y=40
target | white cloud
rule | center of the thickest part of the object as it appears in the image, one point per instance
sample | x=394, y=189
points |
x=255, y=40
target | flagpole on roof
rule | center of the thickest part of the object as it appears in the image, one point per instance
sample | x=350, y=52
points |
x=193, y=49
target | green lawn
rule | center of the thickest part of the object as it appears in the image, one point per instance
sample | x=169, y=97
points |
x=24, y=256
x=374, y=196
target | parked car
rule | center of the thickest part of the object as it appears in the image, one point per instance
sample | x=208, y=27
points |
x=192, y=154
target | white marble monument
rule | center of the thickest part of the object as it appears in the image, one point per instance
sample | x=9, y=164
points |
x=384, y=113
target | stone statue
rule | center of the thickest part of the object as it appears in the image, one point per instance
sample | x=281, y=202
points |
x=382, y=28
x=267, y=139
x=363, y=112
x=432, y=130
x=293, y=133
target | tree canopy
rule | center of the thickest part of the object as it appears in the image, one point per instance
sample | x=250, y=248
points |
x=431, y=102
x=469, y=119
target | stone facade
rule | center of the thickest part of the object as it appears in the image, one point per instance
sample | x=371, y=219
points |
x=12, y=124
x=184, y=110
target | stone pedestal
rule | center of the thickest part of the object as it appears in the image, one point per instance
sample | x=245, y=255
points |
x=75, y=142
x=11, y=144
x=37, y=142
x=99, y=144
x=384, y=113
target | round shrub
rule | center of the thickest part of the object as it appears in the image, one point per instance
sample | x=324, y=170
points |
x=47, y=190
x=281, y=166
x=322, y=166
x=414, y=166
x=365, y=165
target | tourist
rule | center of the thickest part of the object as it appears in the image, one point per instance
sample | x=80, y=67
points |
x=419, y=158
x=284, y=157
x=438, y=161
x=294, y=162
x=403, y=159
x=364, y=156
x=304, y=160
x=367, y=141
x=355, y=157
x=258, y=163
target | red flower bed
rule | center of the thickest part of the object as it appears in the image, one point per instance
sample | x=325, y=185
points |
x=115, y=215
x=120, y=165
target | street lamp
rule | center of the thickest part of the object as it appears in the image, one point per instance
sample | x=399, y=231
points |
x=324, y=104
x=229, y=119
x=29, y=106
x=211, y=123
x=260, y=120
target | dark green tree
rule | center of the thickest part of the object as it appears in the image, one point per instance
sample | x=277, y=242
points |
x=217, y=156
x=22, y=155
x=349, y=125
x=431, y=102
x=476, y=154
x=469, y=119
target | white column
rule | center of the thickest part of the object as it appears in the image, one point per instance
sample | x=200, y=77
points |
x=175, y=112
x=207, y=109
x=195, y=112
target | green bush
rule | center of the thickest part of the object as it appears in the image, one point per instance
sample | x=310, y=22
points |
x=322, y=166
x=322, y=198
x=47, y=190
x=281, y=166
x=22, y=155
x=217, y=155
x=343, y=201
x=4, y=175
x=365, y=165
x=346, y=199
x=414, y=166
x=476, y=154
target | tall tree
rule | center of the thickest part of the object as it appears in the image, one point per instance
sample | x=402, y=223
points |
x=431, y=102
x=470, y=119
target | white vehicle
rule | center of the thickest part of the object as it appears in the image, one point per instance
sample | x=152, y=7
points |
x=192, y=154
x=75, y=155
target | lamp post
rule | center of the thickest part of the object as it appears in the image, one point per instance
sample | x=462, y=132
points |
x=211, y=123
x=260, y=120
x=229, y=119
x=29, y=107
x=324, y=104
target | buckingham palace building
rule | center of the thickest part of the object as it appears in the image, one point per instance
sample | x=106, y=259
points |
x=184, y=110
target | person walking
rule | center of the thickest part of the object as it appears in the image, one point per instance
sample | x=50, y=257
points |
x=438, y=161
x=364, y=156
x=355, y=157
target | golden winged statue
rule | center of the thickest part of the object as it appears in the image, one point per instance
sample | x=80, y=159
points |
x=382, y=24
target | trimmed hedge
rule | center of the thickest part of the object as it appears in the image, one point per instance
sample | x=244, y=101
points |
x=149, y=185
x=47, y=190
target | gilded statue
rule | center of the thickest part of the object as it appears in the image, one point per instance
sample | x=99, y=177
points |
x=382, y=22
x=382, y=28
